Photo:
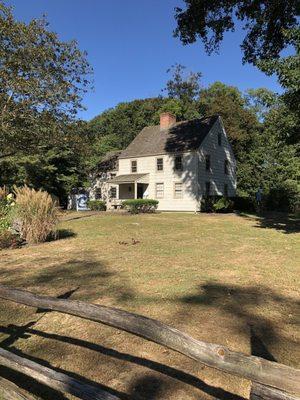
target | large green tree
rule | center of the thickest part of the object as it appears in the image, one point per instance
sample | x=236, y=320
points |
x=263, y=20
x=240, y=121
x=42, y=80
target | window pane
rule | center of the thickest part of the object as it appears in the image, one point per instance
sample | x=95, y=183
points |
x=178, y=163
x=98, y=193
x=160, y=164
x=178, y=191
x=133, y=166
x=207, y=188
x=207, y=162
x=159, y=190
x=225, y=190
x=113, y=192
x=226, y=167
x=219, y=138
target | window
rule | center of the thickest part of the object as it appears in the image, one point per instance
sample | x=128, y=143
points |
x=178, y=163
x=225, y=190
x=134, y=166
x=178, y=191
x=159, y=191
x=113, y=192
x=207, y=189
x=220, y=138
x=98, y=193
x=160, y=164
x=207, y=162
x=226, y=167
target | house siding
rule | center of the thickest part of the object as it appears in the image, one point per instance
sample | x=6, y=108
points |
x=218, y=154
x=193, y=175
x=168, y=177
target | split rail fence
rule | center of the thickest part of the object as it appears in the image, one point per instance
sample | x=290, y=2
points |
x=270, y=380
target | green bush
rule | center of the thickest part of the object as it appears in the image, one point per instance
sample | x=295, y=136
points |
x=284, y=197
x=96, y=205
x=216, y=204
x=136, y=206
x=223, y=205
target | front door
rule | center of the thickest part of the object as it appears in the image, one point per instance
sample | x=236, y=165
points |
x=140, y=191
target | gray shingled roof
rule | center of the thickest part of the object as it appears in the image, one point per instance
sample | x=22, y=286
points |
x=181, y=137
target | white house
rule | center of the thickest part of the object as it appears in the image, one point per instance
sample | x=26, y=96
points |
x=176, y=163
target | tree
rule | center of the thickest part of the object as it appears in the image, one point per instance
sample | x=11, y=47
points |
x=42, y=81
x=115, y=128
x=184, y=90
x=264, y=23
x=287, y=70
x=228, y=102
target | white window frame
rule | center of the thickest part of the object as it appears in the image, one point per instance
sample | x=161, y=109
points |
x=159, y=158
x=133, y=161
x=160, y=191
x=178, y=194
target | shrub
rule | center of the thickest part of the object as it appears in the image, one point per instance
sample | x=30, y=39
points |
x=284, y=197
x=136, y=206
x=244, y=203
x=96, y=205
x=9, y=240
x=223, y=205
x=216, y=204
x=36, y=214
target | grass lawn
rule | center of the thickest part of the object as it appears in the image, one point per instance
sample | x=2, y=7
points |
x=227, y=279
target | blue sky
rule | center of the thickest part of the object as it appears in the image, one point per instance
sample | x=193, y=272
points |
x=130, y=46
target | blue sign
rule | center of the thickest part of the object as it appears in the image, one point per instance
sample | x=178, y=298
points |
x=81, y=202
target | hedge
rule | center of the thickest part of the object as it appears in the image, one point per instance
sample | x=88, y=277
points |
x=96, y=205
x=137, y=206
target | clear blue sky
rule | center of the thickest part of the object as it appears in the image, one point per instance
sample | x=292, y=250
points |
x=130, y=46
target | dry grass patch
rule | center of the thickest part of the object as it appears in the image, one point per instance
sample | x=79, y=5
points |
x=221, y=278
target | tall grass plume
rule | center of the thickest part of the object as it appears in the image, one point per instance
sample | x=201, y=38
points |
x=36, y=214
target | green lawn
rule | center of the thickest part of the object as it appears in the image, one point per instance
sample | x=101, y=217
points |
x=226, y=279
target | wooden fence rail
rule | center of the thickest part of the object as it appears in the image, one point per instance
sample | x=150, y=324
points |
x=53, y=379
x=256, y=369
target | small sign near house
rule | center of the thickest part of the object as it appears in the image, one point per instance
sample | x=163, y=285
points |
x=81, y=202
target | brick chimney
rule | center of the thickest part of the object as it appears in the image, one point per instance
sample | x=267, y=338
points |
x=166, y=120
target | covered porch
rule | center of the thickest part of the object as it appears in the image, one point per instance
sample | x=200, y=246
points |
x=131, y=186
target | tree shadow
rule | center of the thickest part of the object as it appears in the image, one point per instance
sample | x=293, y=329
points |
x=240, y=302
x=283, y=222
x=42, y=391
x=63, y=234
x=138, y=388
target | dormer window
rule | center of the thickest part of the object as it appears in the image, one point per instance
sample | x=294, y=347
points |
x=160, y=164
x=133, y=166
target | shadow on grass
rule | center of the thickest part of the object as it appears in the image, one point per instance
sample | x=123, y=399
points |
x=62, y=234
x=245, y=304
x=283, y=222
x=44, y=392
x=147, y=386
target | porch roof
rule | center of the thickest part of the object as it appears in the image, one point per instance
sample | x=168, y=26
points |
x=130, y=178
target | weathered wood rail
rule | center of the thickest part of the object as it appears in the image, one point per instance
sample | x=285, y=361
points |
x=270, y=378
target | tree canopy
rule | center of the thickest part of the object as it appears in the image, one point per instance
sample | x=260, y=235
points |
x=264, y=22
x=42, y=80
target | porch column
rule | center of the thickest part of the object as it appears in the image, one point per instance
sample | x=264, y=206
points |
x=135, y=189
